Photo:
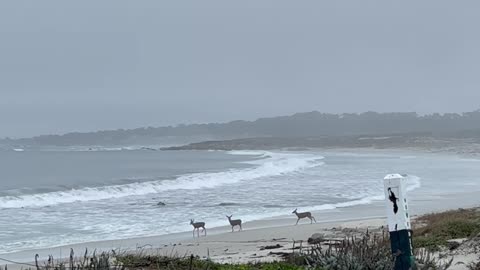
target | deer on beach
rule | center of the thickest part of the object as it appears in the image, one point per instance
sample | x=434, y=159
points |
x=234, y=222
x=304, y=215
x=197, y=226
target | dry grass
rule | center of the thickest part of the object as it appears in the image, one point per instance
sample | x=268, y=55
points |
x=433, y=230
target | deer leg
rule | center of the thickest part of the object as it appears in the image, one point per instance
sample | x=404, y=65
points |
x=297, y=221
x=232, y=228
x=314, y=219
x=194, y=233
x=205, y=230
x=311, y=220
x=241, y=227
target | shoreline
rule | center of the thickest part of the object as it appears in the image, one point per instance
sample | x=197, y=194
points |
x=221, y=245
x=220, y=242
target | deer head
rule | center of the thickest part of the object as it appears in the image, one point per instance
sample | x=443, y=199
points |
x=294, y=211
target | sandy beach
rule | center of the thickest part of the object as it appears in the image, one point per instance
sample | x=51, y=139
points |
x=260, y=240
x=220, y=244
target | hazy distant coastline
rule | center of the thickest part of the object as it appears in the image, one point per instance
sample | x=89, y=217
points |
x=462, y=146
x=312, y=129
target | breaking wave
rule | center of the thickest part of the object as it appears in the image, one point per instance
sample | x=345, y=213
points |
x=413, y=182
x=273, y=164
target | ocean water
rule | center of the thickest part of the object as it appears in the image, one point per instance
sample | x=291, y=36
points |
x=52, y=198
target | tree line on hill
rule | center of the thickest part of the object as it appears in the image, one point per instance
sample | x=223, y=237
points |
x=310, y=124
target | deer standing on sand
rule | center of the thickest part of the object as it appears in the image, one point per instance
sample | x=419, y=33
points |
x=234, y=222
x=304, y=215
x=197, y=226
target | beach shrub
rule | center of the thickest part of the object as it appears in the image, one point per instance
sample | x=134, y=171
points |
x=141, y=260
x=367, y=252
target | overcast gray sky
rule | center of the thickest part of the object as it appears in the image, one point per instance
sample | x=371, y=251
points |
x=89, y=65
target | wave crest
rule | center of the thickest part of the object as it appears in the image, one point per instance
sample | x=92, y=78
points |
x=274, y=165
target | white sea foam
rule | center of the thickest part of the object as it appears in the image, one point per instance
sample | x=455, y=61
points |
x=247, y=153
x=274, y=165
x=103, y=148
x=413, y=182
